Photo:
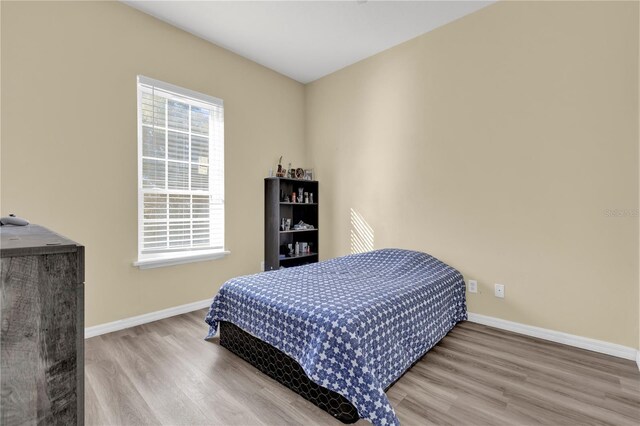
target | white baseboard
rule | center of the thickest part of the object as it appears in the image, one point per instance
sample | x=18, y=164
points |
x=559, y=337
x=528, y=330
x=145, y=318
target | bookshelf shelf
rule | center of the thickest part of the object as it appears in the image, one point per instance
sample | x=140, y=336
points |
x=300, y=256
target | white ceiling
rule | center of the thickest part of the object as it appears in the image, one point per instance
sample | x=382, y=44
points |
x=306, y=40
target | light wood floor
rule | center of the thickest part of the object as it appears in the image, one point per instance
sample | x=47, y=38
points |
x=165, y=373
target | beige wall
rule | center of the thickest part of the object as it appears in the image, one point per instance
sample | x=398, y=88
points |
x=496, y=143
x=69, y=141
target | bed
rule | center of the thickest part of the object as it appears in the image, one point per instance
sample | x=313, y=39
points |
x=342, y=331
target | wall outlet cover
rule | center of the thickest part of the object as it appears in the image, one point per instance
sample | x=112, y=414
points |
x=499, y=291
x=473, y=286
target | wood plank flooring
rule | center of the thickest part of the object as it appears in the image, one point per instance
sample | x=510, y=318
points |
x=164, y=373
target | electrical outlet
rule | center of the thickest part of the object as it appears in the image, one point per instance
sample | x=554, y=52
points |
x=500, y=291
x=262, y=266
x=473, y=286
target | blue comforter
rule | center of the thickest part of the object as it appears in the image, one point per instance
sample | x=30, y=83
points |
x=355, y=324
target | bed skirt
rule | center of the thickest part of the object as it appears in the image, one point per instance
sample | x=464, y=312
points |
x=285, y=370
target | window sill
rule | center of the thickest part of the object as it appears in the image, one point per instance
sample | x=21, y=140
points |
x=178, y=259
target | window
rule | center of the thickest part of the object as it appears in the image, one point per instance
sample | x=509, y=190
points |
x=180, y=175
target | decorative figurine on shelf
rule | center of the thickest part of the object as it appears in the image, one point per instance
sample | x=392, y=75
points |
x=300, y=191
x=297, y=248
x=281, y=171
x=283, y=224
x=286, y=199
x=306, y=198
x=290, y=247
x=287, y=225
x=292, y=172
x=293, y=197
x=301, y=225
x=311, y=198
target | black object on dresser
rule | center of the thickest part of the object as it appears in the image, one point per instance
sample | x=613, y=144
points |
x=42, y=327
x=279, y=204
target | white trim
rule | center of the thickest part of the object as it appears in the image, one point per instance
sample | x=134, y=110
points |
x=176, y=258
x=182, y=91
x=528, y=330
x=145, y=318
x=559, y=337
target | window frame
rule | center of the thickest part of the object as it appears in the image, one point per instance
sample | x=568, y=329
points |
x=180, y=255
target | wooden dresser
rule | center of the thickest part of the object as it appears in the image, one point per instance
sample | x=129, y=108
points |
x=42, y=327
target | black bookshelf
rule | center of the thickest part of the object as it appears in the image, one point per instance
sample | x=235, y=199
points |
x=276, y=252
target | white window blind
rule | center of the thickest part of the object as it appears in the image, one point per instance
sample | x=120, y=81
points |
x=180, y=170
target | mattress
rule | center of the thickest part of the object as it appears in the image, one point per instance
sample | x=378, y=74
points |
x=354, y=324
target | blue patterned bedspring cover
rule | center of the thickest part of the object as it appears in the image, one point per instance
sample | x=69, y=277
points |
x=355, y=324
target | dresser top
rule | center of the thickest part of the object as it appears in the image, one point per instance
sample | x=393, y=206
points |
x=32, y=240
